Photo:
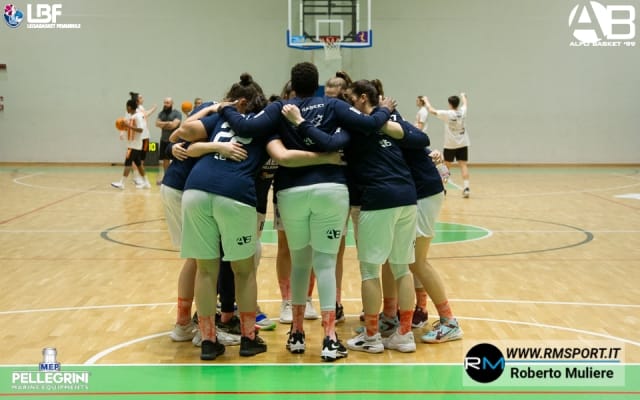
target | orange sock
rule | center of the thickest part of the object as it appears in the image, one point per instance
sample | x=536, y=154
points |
x=184, y=311
x=444, y=310
x=207, y=327
x=285, y=288
x=390, y=306
x=329, y=323
x=405, y=321
x=297, y=310
x=248, y=324
x=421, y=298
x=371, y=323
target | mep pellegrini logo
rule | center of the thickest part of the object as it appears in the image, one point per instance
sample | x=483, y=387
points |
x=552, y=363
x=597, y=25
x=50, y=377
x=39, y=16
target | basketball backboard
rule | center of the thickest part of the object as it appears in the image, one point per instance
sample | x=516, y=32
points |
x=312, y=20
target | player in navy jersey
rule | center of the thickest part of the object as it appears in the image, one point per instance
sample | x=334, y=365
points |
x=313, y=202
x=218, y=194
x=430, y=193
x=337, y=87
x=386, y=227
x=283, y=257
x=171, y=192
x=219, y=206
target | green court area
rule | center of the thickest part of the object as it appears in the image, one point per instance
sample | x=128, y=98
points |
x=286, y=381
x=446, y=232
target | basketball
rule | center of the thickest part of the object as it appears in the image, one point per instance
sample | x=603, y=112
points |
x=187, y=107
x=121, y=124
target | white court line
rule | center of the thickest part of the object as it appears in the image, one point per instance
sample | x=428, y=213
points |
x=151, y=305
x=18, y=181
x=72, y=231
x=490, y=231
x=531, y=194
x=106, y=352
x=98, y=356
x=451, y=182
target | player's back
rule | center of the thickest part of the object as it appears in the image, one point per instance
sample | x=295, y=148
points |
x=213, y=173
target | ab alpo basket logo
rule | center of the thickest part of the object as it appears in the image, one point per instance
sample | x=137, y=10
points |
x=597, y=25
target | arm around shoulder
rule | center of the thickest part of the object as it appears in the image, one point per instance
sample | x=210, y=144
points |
x=299, y=158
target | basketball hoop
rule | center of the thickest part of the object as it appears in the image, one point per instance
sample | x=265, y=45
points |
x=331, y=45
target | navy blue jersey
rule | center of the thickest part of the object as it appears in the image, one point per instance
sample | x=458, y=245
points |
x=380, y=172
x=176, y=175
x=423, y=171
x=213, y=173
x=325, y=115
x=201, y=106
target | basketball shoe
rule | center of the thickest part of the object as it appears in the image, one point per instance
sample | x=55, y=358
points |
x=386, y=325
x=264, y=323
x=332, y=350
x=420, y=317
x=309, y=311
x=210, y=350
x=183, y=333
x=286, y=313
x=403, y=343
x=249, y=347
x=369, y=344
x=444, y=330
x=295, y=343
x=339, y=313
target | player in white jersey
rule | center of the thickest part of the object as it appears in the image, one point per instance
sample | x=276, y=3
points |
x=135, y=125
x=456, y=137
x=422, y=114
x=143, y=182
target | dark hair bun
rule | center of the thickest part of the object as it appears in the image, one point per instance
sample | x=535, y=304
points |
x=246, y=79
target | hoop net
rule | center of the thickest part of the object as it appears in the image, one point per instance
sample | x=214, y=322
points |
x=331, y=45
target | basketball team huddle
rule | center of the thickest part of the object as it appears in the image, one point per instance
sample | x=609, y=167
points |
x=347, y=154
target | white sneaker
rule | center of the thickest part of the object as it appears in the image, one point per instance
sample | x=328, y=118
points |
x=117, y=185
x=286, y=312
x=183, y=333
x=369, y=344
x=143, y=185
x=137, y=180
x=263, y=322
x=403, y=343
x=197, y=338
x=309, y=311
x=228, y=339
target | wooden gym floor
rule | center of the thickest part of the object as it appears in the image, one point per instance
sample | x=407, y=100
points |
x=90, y=270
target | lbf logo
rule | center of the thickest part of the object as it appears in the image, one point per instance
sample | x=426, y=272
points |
x=484, y=363
x=44, y=13
x=593, y=22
